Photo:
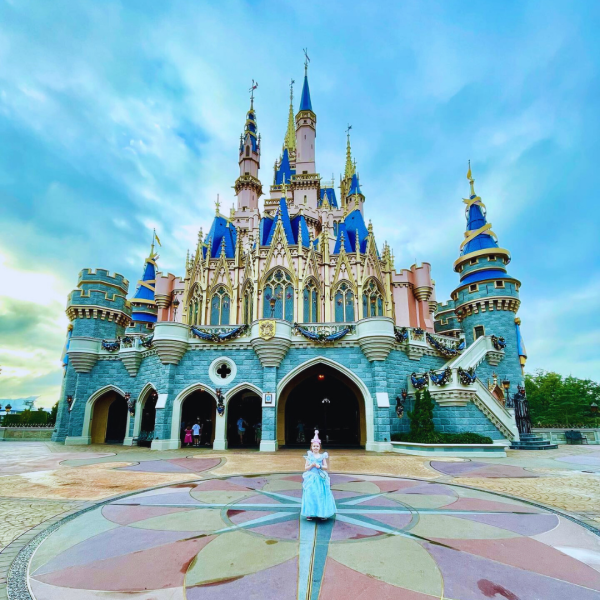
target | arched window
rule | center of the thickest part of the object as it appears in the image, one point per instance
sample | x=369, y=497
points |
x=311, y=302
x=247, y=150
x=278, y=298
x=219, y=307
x=372, y=301
x=247, y=306
x=194, y=308
x=344, y=304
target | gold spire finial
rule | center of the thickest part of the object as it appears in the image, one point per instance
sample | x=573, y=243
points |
x=289, y=141
x=471, y=180
x=218, y=206
x=349, y=171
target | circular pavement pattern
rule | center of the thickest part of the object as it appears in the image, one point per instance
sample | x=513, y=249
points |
x=242, y=537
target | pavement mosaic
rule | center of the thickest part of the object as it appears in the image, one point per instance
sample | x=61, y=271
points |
x=413, y=528
x=242, y=537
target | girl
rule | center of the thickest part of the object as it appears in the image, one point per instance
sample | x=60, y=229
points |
x=317, y=499
x=188, y=436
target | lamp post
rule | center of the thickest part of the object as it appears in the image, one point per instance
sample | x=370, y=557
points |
x=175, y=306
x=509, y=402
x=272, y=303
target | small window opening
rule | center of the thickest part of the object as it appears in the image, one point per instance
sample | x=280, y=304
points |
x=479, y=331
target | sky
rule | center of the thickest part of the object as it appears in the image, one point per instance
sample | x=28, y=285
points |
x=118, y=117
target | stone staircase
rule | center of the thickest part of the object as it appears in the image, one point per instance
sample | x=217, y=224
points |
x=531, y=441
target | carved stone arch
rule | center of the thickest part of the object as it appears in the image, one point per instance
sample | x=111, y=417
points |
x=343, y=261
x=380, y=290
x=279, y=245
x=344, y=301
x=214, y=291
x=338, y=284
x=267, y=285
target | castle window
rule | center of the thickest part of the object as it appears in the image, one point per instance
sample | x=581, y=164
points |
x=344, y=304
x=473, y=287
x=311, y=302
x=278, y=296
x=372, y=301
x=247, y=150
x=478, y=331
x=220, y=306
x=491, y=257
x=473, y=261
x=247, y=307
x=499, y=284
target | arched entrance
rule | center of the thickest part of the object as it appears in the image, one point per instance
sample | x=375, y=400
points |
x=148, y=418
x=246, y=405
x=199, y=407
x=109, y=419
x=321, y=397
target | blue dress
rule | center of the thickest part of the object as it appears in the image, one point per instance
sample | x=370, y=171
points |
x=317, y=499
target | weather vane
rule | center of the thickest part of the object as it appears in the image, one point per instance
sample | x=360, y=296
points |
x=348, y=129
x=306, y=60
x=292, y=82
x=251, y=90
x=218, y=205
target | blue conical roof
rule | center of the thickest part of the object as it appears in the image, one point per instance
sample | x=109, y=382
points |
x=284, y=171
x=353, y=227
x=284, y=216
x=221, y=230
x=354, y=186
x=305, y=103
x=475, y=220
x=143, y=298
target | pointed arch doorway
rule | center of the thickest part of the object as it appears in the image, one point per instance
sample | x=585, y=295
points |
x=109, y=419
x=321, y=397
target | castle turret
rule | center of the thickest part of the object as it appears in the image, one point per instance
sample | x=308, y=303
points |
x=248, y=187
x=98, y=310
x=306, y=181
x=144, y=308
x=487, y=298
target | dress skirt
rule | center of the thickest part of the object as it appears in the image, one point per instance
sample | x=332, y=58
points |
x=317, y=499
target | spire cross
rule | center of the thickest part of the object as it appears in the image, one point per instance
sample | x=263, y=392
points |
x=306, y=60
x=348, y=130
x=218, y=205
x=251, y=90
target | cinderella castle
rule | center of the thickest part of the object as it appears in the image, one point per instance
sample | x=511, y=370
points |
x=290, y=316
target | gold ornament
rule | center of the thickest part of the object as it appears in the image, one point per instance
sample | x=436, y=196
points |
x=266, y=329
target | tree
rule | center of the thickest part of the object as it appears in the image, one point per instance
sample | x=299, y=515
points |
x=53, y=414
x=421, y=418
x=561, y=402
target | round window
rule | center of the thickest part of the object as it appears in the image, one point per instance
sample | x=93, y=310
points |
x=222, y=371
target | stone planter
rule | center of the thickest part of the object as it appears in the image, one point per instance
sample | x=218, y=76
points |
x=271, y=351
x=376, y=337
x=450, y=450
x=171, y=341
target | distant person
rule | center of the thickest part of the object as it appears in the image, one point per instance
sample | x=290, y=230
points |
x=196, y=428
x=182, y=433
x=258, y=432
x=300, y=432
x=187, y=440
x=241, y=429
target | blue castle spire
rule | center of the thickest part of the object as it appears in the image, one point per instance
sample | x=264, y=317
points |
x=305, y=103
x=144, y=305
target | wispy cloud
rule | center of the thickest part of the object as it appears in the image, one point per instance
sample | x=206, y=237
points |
x=117, y=117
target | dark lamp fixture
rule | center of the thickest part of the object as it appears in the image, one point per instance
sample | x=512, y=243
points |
x=127, y=396
x=404, y=394
x=272, y=302
x=594, y=407
x=176, y=303
x=506, y=384
x=8, y=408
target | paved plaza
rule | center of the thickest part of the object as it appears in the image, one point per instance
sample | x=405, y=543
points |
x=108, y=522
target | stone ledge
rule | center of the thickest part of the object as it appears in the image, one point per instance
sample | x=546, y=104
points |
x=450, y=450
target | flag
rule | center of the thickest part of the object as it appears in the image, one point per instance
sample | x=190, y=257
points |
x=469, y=172
x=157, y=240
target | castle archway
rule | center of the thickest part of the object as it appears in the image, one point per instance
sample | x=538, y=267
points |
x=199, y=407
x=109, y=418
x=246, y=404
x=322, y=395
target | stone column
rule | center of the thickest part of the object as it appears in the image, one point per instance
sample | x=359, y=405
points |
x=220, y=442
x=268, y=442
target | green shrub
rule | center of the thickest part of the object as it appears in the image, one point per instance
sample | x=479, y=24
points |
x=436, y=437
x=421, y=417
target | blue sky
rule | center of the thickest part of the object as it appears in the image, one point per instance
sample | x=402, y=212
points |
x=117, y=117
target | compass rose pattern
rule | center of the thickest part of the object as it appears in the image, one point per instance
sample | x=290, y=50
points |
x=242, y=537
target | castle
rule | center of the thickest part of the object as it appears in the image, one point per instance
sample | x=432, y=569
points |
x=289, y=318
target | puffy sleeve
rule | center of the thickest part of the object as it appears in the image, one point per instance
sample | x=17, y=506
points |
x=325, y=455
